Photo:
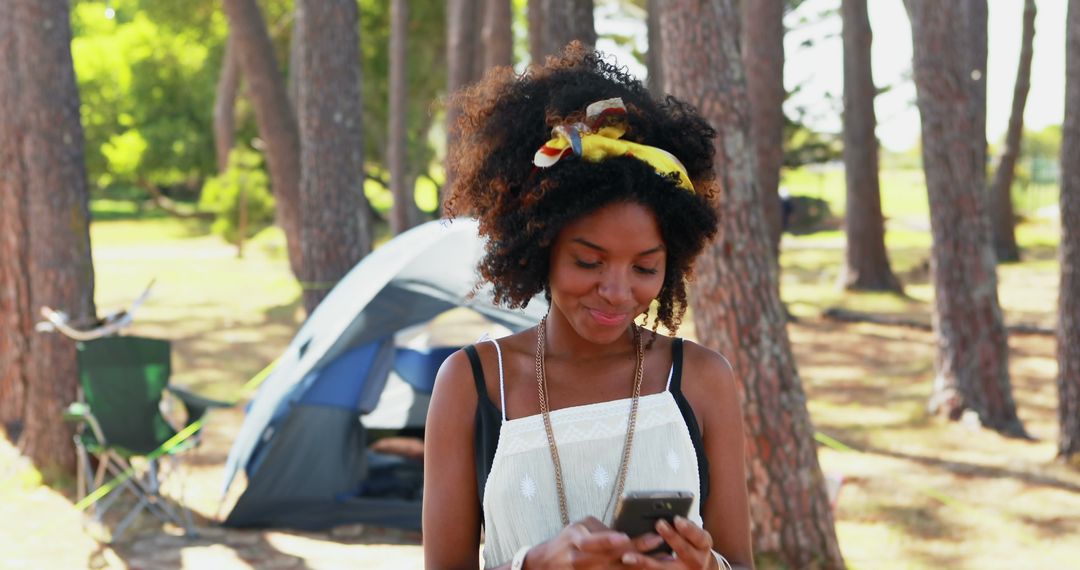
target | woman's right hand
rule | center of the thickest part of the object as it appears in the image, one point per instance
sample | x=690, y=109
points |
x=587, y=544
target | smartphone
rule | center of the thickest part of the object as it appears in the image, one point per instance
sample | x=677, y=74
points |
x=638, y=511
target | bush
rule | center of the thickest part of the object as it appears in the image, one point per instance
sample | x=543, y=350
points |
x=222, y=196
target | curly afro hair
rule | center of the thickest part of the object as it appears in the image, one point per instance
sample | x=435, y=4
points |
x=505, y=118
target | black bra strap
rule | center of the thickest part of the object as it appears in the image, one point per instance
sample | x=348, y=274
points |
x=688, y=417
x=488, y=424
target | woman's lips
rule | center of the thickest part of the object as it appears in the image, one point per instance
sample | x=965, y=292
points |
x=608, y=319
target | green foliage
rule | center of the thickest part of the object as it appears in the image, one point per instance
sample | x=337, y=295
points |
x=246, y=181
x=147, y=91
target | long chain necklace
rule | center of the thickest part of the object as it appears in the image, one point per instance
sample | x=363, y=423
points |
x=541, y=387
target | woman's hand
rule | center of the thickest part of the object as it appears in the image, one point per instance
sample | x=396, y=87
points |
x=588, y=544
x=690, y=544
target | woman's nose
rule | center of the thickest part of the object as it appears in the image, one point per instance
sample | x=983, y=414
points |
x=614, y=288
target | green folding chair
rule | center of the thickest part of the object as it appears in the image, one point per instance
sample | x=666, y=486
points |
x=122, y=381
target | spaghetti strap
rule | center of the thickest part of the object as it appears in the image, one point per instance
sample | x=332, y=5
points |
x=502, y=386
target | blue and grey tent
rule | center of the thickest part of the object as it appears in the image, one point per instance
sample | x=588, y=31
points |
x=349, y=374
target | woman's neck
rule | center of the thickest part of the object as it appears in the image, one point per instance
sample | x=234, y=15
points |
x=564, y=342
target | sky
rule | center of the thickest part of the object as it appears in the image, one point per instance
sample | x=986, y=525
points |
x=816, y=69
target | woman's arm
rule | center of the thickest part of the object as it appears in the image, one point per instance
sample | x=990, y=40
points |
x=709, y=385
x=451, y=507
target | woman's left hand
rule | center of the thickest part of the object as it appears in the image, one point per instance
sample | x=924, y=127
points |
x=690, y=544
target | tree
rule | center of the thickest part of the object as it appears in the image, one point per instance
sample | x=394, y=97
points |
x=335, y=229
x=498, y=34
x=225, y=105
x=1002, y=219
x=52, y=244
x=555, y=23
x=16, y=325
x=654, y=59
x=463, y=60
x=763, y=60
x=277, y=124
x=973, y=353
x=867, y=261
x=404, y=213
x=1068, y=339
x=736, y=298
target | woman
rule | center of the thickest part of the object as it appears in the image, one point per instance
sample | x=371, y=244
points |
x=590, y=190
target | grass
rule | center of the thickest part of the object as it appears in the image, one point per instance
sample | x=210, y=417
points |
x=919, y=492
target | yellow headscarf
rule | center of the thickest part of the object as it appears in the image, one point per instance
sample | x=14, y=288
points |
x=601, y=139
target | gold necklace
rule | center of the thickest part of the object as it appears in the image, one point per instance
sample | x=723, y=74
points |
x=541, y=387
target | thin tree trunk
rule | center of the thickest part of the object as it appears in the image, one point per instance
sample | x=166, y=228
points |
x=558, y=23
x=15, y=311
x=463, y=63
x=867, y=266
x=1068, y=346
x=763, y=60
x=973, y=352
x=1002, y=219
x=535, y=15
x=736, y=301
x=401, y=215
x=274, y=115
x=225, y=105
x=60, y=270
x=654, y=58
x=334, y=226
x=498, y=34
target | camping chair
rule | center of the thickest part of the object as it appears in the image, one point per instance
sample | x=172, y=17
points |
x=122, y=380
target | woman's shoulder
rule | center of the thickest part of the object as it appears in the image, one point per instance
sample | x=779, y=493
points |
x=707, y=376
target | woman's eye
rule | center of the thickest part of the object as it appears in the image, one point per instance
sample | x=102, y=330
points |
x=586, y=264
x=645, y=270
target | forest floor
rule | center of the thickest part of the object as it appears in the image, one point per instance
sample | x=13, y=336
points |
x=918, y=491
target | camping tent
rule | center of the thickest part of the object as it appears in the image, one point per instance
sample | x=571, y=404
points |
x=303, y=444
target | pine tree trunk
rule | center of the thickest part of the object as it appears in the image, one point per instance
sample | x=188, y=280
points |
x=867, y=266
x=225, y=105
x=401, y=215
x=736, y=301
x=654, y=58
x=463, y=64
x=1002, y=219
x=763, y=60
x=15, y=317
x=557, y=23
x=274, y=115
x=973, y=353
x=59, y=266
x=498, y=34
x=335, y=229
x=1068, y=345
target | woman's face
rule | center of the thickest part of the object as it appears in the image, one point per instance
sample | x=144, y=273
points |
x=606, y=268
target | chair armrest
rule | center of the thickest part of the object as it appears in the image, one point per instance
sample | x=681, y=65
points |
x=80, y=412
x=195, y=405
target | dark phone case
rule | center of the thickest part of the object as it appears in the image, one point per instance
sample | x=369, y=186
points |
x=638, y=512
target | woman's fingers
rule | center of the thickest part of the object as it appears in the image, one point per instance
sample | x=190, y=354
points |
x=683, y=549
x=693, y=533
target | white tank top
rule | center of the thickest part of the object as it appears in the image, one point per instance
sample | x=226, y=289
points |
x=521, y=504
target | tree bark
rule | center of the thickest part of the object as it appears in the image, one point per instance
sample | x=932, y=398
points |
x=654, y=58
x=973, y=353
x=1002, y=218
x=463, y=63
x=1068, y=346
x=15, y=317
x=334, y=226
x=403, y=215
x=274, y=115
x=225, y=105
x=498, y=34
x=736, y=301
x=763, y=60
x=558, y=23
x=59, y=267
x=867, y=261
